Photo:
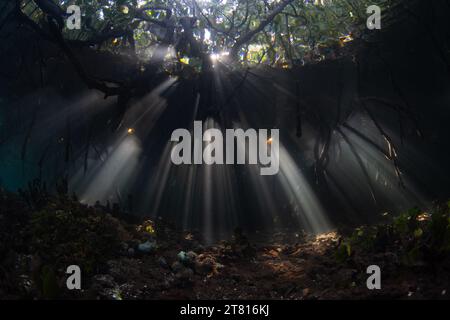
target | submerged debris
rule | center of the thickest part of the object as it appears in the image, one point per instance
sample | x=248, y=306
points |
x=147, y=247
x=153, y=260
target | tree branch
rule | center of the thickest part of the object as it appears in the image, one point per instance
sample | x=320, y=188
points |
x=250, y=34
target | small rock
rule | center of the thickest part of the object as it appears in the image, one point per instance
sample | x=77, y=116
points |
x=182, y=257
x=147, y=247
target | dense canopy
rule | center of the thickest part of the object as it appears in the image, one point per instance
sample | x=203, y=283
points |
x=276, y=32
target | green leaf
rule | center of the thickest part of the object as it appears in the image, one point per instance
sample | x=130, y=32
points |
x=349, y=249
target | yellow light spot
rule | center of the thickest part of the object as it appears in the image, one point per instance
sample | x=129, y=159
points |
x=130, y=131
x=423, y=217
x=124, y=9
x=330, y=236
x=346, y=39
x=115, y=41
x=150, y=229
x=184, y=60
x=269, y=141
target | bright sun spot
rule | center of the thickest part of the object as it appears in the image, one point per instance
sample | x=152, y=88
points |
x=219, y=56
